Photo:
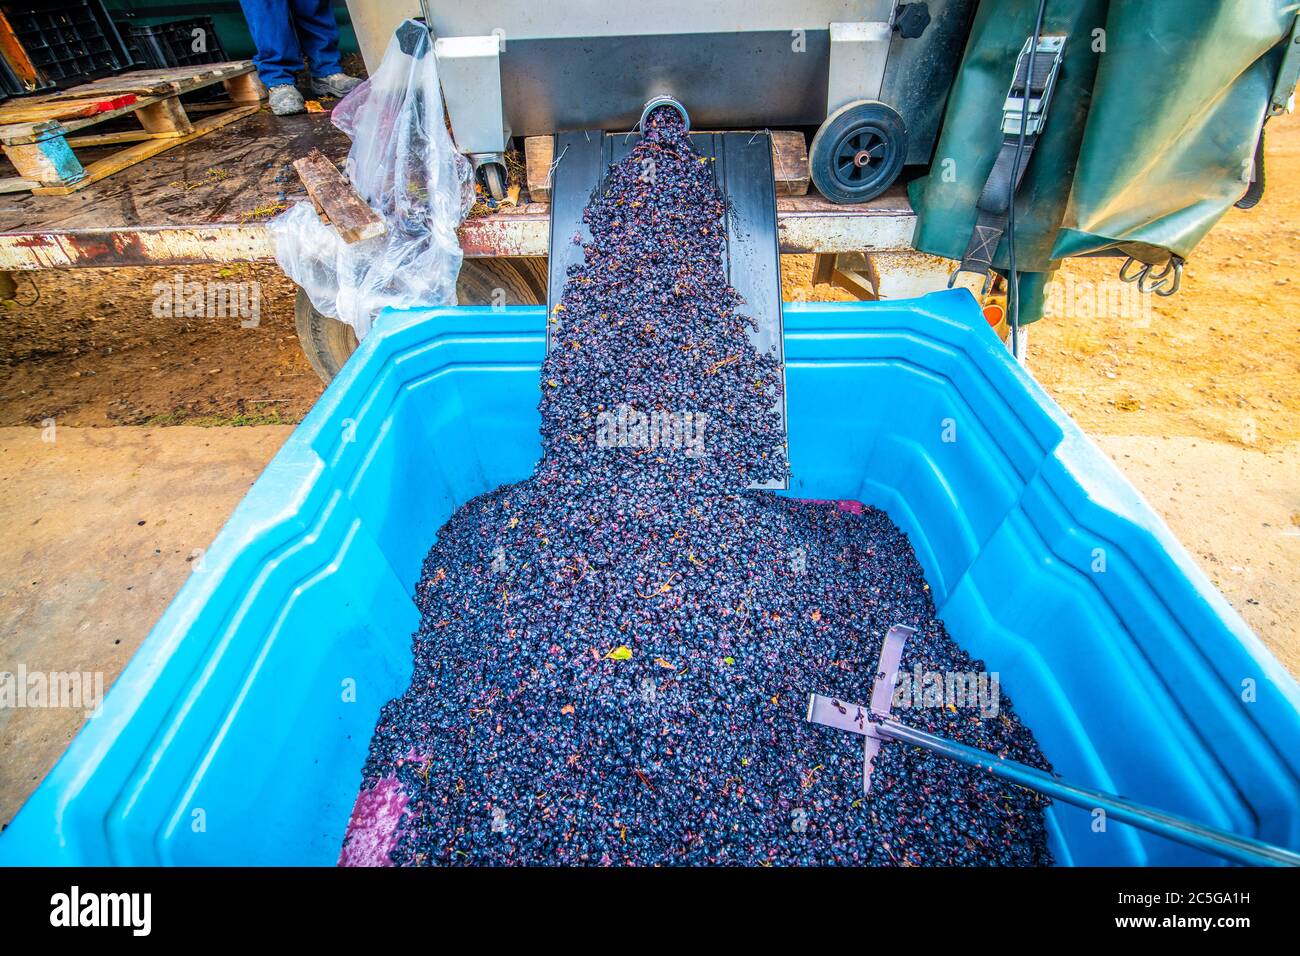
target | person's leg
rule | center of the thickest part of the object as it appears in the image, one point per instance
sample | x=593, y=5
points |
x=319, y=34
x=279, y=55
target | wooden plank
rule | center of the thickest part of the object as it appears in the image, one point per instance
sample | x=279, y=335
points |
x=63, y=108
x=141, y=83
x=539, y=153
x=790, y=162
x=155, y=82
x=76, y=124
x=20, y=64
x=20, y=133
x=334, y=195
x=16, y=184
x=214, y=107
x=133, y=154
x=182, y=72
x=127, y=136
x=198, y=80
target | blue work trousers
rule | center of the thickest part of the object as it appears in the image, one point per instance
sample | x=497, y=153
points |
x=284, y=30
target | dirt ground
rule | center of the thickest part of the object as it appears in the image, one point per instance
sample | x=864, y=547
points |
x=101, y=527
x=86, y=347
x=1194, y=396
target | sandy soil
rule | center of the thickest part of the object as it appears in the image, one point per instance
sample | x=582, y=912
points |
x=85, y=347
x=101, y=527
x=1235, y=510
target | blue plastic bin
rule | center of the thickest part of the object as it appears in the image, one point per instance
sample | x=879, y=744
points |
x=238, y=731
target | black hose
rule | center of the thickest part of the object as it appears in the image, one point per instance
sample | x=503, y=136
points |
x=1013, y=293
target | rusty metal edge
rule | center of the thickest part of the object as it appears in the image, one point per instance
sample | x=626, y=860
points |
x=107, y=248
x=519, y=234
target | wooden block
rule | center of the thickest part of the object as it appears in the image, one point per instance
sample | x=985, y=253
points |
x=790, y=162
x=823, y=268
x=49, y=162
x=539, y=153
x=165, y=116
x=246, y=88
x=333, y=194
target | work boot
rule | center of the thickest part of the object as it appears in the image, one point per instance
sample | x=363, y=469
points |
x=285, y=100
x=338, y=84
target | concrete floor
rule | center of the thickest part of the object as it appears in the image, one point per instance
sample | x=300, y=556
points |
x=98, y=532
x=100, y=526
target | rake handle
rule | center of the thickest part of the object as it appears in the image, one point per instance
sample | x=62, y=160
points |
x=1222, y=843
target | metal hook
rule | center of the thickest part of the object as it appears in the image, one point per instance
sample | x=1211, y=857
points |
x=1163, y=283
x=988, y=279
x=1151, y=281
x=1123, y=271
x=1177, y=265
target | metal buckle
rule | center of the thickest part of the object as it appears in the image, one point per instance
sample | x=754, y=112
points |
x=984, y=289
x=1015, y=106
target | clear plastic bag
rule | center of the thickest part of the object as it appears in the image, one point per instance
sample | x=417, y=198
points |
x=404, y=164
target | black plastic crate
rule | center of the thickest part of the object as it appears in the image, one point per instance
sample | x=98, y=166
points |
x=10, y=85
x=68, y=42
x=160, y=45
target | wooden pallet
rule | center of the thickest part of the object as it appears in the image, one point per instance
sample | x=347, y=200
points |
x=36, y=132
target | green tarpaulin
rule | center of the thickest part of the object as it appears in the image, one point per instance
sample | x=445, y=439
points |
x=1149, y=139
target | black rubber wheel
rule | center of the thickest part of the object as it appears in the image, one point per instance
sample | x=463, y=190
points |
x=327, y=342
x=494, y=180
x=858, y=152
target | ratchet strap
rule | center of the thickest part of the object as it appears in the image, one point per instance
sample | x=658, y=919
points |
x=1026, y=103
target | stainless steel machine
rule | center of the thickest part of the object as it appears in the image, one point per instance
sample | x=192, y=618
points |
x=870, y=75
